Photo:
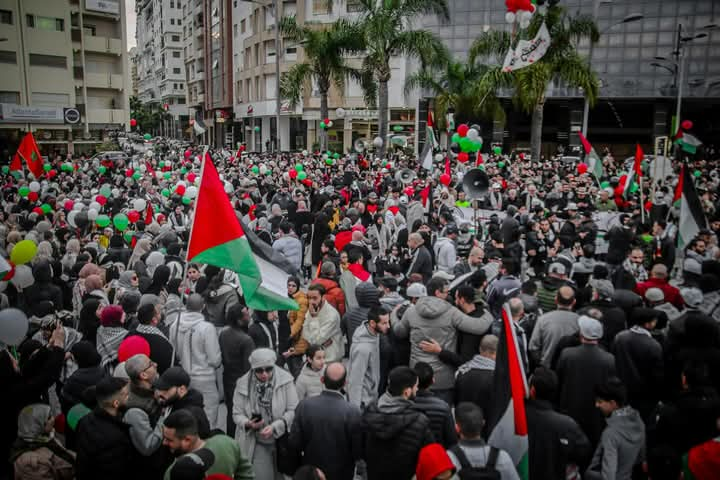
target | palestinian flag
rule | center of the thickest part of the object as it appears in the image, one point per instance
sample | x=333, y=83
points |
x=507, y=420
x=28, y=151
x=593, y=160
x=688, y=143
x=217, y=238
x=5, y=267
x=431, y=131
x=635, y=173
x=692, y=217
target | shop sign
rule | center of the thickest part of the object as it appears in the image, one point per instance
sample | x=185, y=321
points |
x=360, y=113
x=10, y=112
x=104, y=6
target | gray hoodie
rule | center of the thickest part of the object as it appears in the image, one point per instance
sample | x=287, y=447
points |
x=196, y=343
x=445, y=254
x=364, y=367
x=621, y=447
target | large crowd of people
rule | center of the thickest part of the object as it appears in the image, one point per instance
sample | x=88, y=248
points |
x=139, y=364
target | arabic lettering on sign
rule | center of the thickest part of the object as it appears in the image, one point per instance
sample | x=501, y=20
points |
x=528, y=52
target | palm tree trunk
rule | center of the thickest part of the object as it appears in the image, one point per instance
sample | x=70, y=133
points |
x=536, y=131
x=323, y=116
x=382, y=115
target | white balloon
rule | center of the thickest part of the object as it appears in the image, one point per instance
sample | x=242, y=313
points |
x=305, y=152
x=78, y=206
x=340, y=112
x=139, y=204
x=325, y=156
x=14, y=323
x=524, y=23
x=526, y=15
x=191, y=191
x=263, y=169
x=95, y=206
x=34, y=186
x=143, y=168
x=92, y=214
x=185, y=185
x=23, y=277
x=473, y=134
x=115, y=192
x=330, y=124
x=197, y=180
x=71, y=217
x=228, y=188
x=510, y=17
x=439, y=157
x=378, y=142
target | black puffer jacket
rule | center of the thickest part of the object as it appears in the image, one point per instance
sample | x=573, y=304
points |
x=82, y=379
x=367, y=296
x=441, y=420
x=104, y=449
x=394, y=435
x=43, y=290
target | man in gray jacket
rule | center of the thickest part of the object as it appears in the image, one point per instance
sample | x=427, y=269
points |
x=445, y=250
x=289, y=245
x=432, y=317
x=622, y=441
x=364, y=366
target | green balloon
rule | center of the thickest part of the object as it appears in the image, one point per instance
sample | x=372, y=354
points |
x=128, y=236
x=255, y=169
x=302, y=176
x=466, y=144
x=476, y=146
x=147, y=136
x=16, y=173
x=605, y=184
x=136, y=176
x=106, y=191
x=268, y=172
x=47, y=167
x=5, y=169
x=497, y=150
x=329, y=161
x=186, y=200
x=298, y=167
x=102, y=169
x=75, y=414
x=257, y=129
x=24, y=191
x=501, y=164
x=697, y=173
x=121, y=222
x=167, y=175
x=102, y=221
x=323, y=125
x=329, y=153
x=165, y=192
x=336, y=155
x=398, y=128
x=46, y=208
x=456, y=137
x=183, y=170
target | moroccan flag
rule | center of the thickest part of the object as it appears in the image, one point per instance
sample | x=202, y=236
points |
x=431, y=131
x=506, y=419
x=688, y=143
x=149, y=214
x=217, y=238
x=592, y=159
x=28, y=151
x=692, y=217
x=149, y=168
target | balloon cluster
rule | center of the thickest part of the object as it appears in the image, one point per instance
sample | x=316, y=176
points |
x=466, y=140
x=520, y=11
x=327, y=123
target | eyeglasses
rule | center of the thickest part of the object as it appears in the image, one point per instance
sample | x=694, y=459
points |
x=150, y=365
x=264, y=370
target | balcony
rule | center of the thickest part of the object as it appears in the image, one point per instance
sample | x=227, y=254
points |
x=103, y=45
x=106, y=115
x=199, y=76
x=104, y=80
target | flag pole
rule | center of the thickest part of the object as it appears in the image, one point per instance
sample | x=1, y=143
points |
x=642, y=203
x=192, y=220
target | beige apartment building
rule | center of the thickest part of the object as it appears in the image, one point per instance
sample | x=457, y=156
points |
x=65, y=73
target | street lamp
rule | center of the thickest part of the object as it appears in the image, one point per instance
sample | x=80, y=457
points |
x=633, y=17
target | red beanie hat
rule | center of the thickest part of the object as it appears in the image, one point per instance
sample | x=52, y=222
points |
x=111, y=316
x=432, y=462
x=132, y=346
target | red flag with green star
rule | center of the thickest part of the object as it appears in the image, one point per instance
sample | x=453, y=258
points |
x=28, y=151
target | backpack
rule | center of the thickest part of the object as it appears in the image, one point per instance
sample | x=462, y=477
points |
x=468, y=472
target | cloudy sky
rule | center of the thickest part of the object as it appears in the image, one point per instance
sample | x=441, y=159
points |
x=130, y=15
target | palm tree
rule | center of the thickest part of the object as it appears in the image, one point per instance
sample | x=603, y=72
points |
x=387, y=33
x=561, y=62
x=325, y=49
x=466, y=88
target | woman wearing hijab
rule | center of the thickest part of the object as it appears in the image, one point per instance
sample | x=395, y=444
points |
x=127, y=283
x=142, y=248
x=80, y=287
x=72, y=249
x=159, y=280
x=117, y=251
x=90, y=318
x=37, y=454
x=263, y=409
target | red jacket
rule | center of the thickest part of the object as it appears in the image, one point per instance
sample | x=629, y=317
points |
x=672, y=294
x=333, y=293
x=342, y=239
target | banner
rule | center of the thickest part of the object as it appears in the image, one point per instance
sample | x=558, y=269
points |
x=528, y=52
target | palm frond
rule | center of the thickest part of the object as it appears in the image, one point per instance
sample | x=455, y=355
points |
x=293, y=82
x=576, y=72
x=413, y=8
x=421, y=44
x=422, y=79
x=493, y=43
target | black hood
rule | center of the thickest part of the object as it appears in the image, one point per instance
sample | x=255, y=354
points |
x=367, y=295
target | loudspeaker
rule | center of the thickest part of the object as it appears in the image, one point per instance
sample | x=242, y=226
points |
x=476, y=183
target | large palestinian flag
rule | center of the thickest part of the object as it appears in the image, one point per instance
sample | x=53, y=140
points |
x=507, y=420
x=692, y=217
x=217, y=238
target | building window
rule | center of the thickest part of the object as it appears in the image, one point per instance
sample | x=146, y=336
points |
x=172, y=21
x=10, y=97
x=322, y=7
x=242, y=26
x=354, y=6
x=175, y=38
x=235, y=30
x=176, y=54
x=54, y=61
x=7, y=56
x=6, y=17
x=181, y=101
x=179, y=22
x=176, y=71
x=172, y=4
x=89, y=30
x=291, y=50
x=46, y=23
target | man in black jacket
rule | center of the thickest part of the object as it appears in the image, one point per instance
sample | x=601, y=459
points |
x=172, y=389
x=474, y=380
x=161, y=350
x=436, y=409
x=327, y=428
x=104, y=449
x=421, y=262
x=556, y=442
x=394, y=431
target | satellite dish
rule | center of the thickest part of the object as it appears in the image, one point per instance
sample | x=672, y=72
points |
x=476, y=183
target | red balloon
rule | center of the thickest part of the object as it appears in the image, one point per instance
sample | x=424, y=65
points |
x=511, y=5
x=129, y=172
x=327, y=120
x=133, y=122
x=52, y=173
x=463, y=157
x=33, y=196
x=191, y=177
x=38, y=210
x=388, y=166
x=293, y=174
x=307, y=182
x=686, y=124
x=582, y=168
x=133, y=216
x=101, y=199
x=180, y=189
x=445, y=179
x=648, y=205
x=68, y=205
x=462, y=129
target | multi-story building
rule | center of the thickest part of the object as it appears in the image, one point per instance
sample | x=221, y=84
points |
x=65, y=73
x=161, y=68
x=637, y=60
x=133, y=57
x=255, y=84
